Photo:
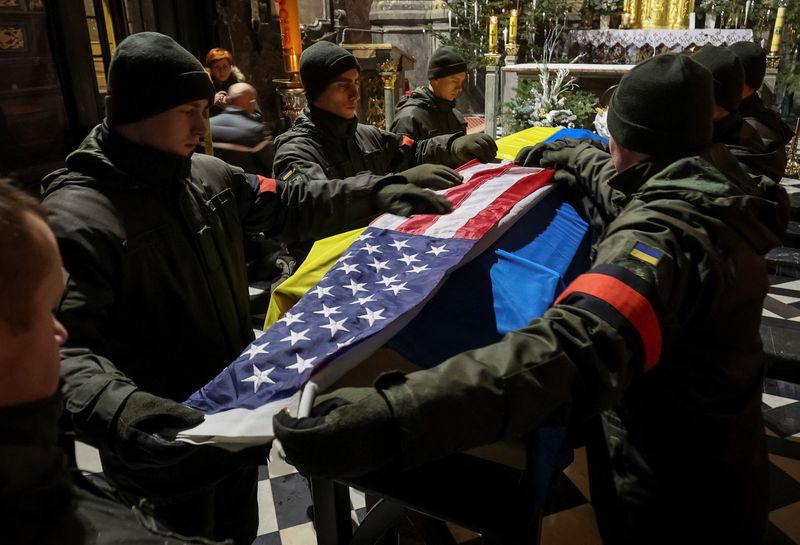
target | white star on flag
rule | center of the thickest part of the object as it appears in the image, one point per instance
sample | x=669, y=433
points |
x=408, y=259
x=320, y=292
x=378, y=265
x=327, y=311
x=387, y=280
x=334, y=326
x=371, y=249
x=259, y=377
x=290, y=318
x=397, y=288
x=255, y=350
x=419, y=269
x=399, y=244
x=365, y=236
x=436, y=250
x=346, y=255
x=362, y=300
x=347, y=268
x=355, y=287
x=372, y=316
x=295, y=336
x=301, y=364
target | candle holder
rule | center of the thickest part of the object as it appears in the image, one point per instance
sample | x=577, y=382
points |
x=512, y=50
x=492, y=59
x=792, y=165
x=773, y=62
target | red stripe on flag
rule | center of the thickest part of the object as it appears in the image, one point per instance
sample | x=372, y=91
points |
x=420, y=223
x=627, y=301
x=486, y=218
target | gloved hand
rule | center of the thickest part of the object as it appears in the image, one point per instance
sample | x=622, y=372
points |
x=146, y=427
x=349, y=432
x=408, y=199
x=474, y=146
x=432, y=176
x=532, y=156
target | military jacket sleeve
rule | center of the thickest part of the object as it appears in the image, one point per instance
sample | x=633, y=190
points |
x=608, y=328
x=407, y=124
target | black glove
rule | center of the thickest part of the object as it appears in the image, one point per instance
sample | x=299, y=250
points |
x=474, y=146
x=408, y=199
x=531, y=156
x=350, y=432
x=146, y=427
x=432, y=176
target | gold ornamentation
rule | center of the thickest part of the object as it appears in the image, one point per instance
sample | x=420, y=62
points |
x=388, y=71
x=9, y=4
x=512, y=50
x=773, y=61
x=492, y=59
x=12, y=37
x=792, y=165
x=36, y=5
x=375, y=115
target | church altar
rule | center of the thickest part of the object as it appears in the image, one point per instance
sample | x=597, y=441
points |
x=635, y=45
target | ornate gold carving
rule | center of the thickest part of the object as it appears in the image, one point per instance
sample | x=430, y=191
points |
x=792, y=165
x=512, y=50
x=9, y=3
x=492, y=59
x=36, y=5
x=773, y=61
x=388, y=71
x=12, y=37
x=375, y=115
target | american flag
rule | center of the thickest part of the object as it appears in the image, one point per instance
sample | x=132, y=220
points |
x=373, y=290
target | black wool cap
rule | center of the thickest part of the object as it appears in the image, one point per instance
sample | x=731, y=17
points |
x=728, y=73
x=321, y=64
x=149, y=74
x=663, y=107
x=444, y=62
x=754, y=61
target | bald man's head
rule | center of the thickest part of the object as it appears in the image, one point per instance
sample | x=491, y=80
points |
x=243, y=95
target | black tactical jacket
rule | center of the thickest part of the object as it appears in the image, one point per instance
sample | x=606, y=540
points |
x=157, y=294
x=656, y=349
x=324, y=146
x=423, y=115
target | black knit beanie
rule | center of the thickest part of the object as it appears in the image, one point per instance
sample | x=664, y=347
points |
x=663, y=107
x=321, y=64
x=754, y=61
x=445, y=61
x=149, y=74
x=726, y=68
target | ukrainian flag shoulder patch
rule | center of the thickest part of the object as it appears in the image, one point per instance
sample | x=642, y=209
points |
x=645, y=253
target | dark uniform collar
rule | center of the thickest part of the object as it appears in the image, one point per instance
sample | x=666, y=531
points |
x=631, y=179
x=145, y=164
x=442, y=104
x=331, y=125
x=726, y=130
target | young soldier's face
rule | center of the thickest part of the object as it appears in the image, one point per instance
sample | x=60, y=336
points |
x=29, y=356
x=448, y=87
x=341, y=96
x=176, y=131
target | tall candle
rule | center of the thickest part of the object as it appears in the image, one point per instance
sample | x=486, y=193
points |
x=776, y=34
x=476, y=12
x=493, y=34
x=449, y=20
x=512, y=27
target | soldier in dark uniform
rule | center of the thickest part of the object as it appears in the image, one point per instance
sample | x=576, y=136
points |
x=157, y=296
x=656, y=349
x=730, y=129
x=327, y=141
x=43, y=500
x=430, y=111
x=768, y=123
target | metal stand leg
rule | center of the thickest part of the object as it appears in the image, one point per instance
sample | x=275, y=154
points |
x=331, y=512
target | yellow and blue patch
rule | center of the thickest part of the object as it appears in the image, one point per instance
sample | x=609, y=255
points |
x=645, y=253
